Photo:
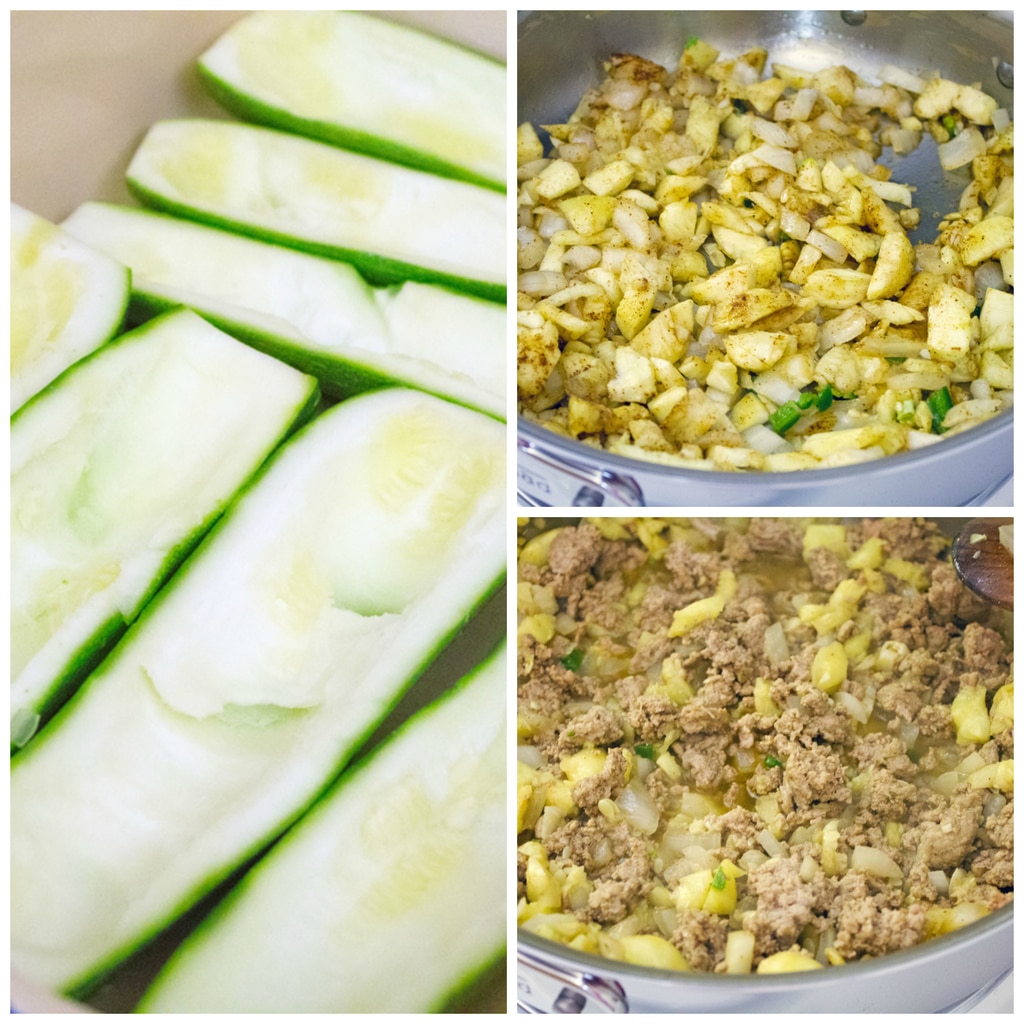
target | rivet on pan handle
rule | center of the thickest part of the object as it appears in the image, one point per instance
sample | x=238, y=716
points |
x=545, y=479
x=544, y=988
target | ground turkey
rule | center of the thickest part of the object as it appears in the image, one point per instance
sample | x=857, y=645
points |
x=943, y=844
x=786, y=904
x=700, y=937
x=598, y=726
x=813, y=775
x=828, y=570
x=613, y=857
x=606, y=785
x=869, y=922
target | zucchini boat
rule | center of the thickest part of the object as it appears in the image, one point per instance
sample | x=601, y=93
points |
x=317, y=314
x=117, y=468
x=391, y=222
x=403, y=864
x=66, y=300
x=367, y=84
x=253, y=676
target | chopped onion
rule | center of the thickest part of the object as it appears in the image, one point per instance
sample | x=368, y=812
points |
x=945, y=783
x=849, y=324
x=874, y=862
x=871, y=96
x=794, y=225
x=541, y=282
x=776, y=388
x=551, y=222
x=962, y=148
x=744, y=73
x=940, y=881
x=902, y=140
x=630, y=925
x=751, y=859
x=772, y=133
x=909, y=733
x=971, y=763
x=852, y=704
x=994, y=804
x=988, y=275
x=771, y=845
x=530, y=756
x=904, y=79
x=777, y=157
x=666, y=919
x=549, y=822
x=704, y=840
x=832, y=123
x=709, y=338
x=798, y=108
x=776, y=646
x=625, y=95
x=745, y=760
x=1000, y=119
x=764, y=439
x=981, y=388
x=695, y=858
x=638, y=808
x=808, y=868
x=828, y=246
x=573, y=152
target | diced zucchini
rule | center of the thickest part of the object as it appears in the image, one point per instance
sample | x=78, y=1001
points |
x=402, y=863
x=366, y=84
x=315, y=313
x=391, y=222
x=253, y=676
x=66, y=300
x=117, y=469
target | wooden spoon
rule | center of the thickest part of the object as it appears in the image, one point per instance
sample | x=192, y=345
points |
x=983, y=562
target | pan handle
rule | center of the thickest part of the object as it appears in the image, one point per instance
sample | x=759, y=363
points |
x=545, y=479
x=544, y=988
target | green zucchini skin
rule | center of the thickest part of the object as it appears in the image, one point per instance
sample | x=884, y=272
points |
x=318, y=315
x=381, y=872
x=67, y=299
x=119, y=466
x=390, y=222
x=176, y=763
x=366, y=84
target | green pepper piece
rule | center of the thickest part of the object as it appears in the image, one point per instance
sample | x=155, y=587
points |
x=940, y=402
x=784, y=417
x=573, y=660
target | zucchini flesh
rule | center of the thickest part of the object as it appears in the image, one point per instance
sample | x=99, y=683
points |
x=317, y=599
x=66, y=300
x=366, y=84
x=401, y=865
x=317, y=314
x=391, y=222
x=117, y=469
